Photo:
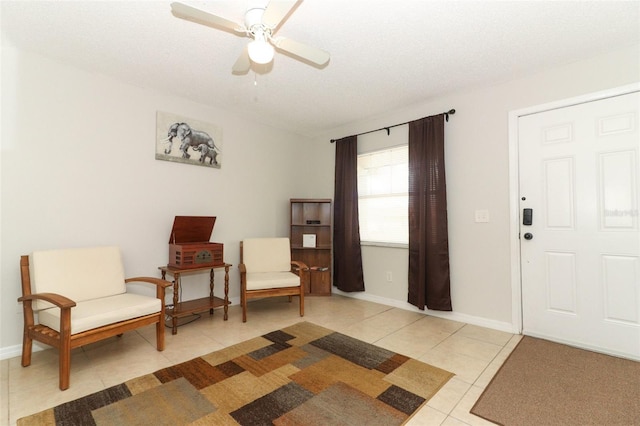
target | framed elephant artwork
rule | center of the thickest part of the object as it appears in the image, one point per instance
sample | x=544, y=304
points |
x=188, y=141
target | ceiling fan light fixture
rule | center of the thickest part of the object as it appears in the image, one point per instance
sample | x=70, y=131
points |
x=260, y=50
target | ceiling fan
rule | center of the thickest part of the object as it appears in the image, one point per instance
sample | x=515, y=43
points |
x=260, y=24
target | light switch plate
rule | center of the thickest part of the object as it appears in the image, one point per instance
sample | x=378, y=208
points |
x=482, y=216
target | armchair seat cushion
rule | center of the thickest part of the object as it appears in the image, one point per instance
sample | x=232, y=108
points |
x=95, y=313
x=265, y=280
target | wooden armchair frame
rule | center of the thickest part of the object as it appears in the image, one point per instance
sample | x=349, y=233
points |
x=270, y=292
x=64, y=341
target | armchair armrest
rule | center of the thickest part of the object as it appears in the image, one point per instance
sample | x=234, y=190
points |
x=243, y=278
x=160, y=284
x=64, y=303
x=57, y=299
x=151, y=280
x=300, y=265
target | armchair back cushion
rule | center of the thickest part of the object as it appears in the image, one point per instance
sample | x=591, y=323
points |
x=79, y=274
x=266, y=255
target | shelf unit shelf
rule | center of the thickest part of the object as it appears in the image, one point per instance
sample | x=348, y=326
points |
x=190, y=307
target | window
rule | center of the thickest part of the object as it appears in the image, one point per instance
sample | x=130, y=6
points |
x=383, y=195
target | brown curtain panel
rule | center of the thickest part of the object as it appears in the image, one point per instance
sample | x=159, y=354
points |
x=347, y=257
x=428, y=235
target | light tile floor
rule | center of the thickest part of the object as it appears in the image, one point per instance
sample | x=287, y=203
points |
x=473, y=353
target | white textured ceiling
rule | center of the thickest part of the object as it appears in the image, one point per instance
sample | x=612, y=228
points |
x=385, y=54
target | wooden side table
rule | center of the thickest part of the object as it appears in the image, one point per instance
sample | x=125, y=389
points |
x=189, y=307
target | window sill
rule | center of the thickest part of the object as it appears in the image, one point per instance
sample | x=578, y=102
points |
x=382, y=244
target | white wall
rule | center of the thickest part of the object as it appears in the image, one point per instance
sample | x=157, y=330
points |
x=477, y=167
x=78, y=169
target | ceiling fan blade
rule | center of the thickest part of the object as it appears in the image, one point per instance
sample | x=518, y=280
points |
x=183, y=11
x=276, y=11
x=243, y=64
x=311, y=54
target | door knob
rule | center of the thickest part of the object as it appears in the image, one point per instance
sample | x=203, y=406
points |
x=528, y=236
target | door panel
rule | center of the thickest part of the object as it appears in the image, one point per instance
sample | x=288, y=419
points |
x=581, y=264
x=620, y=274
x=559, y=193
x=561, y=282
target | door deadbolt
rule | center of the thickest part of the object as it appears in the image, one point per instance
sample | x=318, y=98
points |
x=527, y=217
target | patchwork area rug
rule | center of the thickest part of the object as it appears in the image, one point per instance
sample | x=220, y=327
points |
x=301, y=375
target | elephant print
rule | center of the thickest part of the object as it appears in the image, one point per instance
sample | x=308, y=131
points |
x=194, y=139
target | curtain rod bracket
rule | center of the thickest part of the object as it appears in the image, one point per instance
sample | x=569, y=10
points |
x=450, y=112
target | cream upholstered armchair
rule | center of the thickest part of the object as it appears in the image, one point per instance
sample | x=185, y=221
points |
x=266, y=270
x=80, y=297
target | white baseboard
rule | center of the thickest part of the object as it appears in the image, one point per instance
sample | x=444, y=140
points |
x=453, y=316
x=10, y=352
x=16, y=350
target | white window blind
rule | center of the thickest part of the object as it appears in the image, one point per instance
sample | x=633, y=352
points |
x=383, y=195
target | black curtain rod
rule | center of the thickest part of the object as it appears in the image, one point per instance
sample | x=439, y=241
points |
x=446, y=117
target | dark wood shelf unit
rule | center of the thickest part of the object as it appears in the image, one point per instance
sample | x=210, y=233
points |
x=313, y=216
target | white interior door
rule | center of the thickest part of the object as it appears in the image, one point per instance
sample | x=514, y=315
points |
x=580, y=257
